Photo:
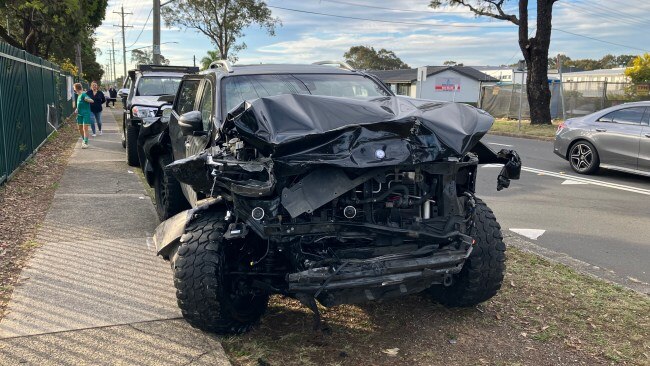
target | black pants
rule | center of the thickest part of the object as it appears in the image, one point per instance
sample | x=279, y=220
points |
x=109, y=100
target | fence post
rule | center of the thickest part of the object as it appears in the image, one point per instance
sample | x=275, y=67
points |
x=3, y=174
x=29, y=106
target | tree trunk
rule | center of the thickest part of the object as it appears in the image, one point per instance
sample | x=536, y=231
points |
x=535, y=51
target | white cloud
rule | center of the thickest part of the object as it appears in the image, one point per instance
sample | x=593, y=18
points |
x=309, y=37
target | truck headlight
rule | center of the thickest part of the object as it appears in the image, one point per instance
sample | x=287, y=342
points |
x=143, y=112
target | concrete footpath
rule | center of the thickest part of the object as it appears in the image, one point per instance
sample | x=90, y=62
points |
x=95, y=293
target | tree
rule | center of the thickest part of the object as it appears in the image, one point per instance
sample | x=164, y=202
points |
x=565, y=60
x=452, y=63
x=534, y=49
x=367, y=58
x=639, y=72
x=606, y=62
x=145, y=57
x=625, y=60
x=211, y=57
x=50, y=29
x=223, y=21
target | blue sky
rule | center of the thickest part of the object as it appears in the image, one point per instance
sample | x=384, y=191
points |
x=418, y=35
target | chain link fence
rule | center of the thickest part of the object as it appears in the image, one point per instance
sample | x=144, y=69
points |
x=568, y=99
x=35, y=95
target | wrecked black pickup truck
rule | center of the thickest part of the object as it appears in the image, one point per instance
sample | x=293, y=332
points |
x=326, y=188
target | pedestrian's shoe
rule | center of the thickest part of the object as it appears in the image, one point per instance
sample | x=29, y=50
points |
x=84, y=145
x=100, y=133
x=93, y=135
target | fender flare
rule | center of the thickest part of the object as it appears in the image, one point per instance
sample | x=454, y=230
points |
x=169, y=233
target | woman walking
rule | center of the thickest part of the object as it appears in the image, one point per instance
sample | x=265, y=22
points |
x=96, y=108
x=83, y=113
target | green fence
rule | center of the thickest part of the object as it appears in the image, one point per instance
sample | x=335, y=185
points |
x=33, y=102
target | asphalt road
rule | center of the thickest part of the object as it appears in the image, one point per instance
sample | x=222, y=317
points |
x=600, y=219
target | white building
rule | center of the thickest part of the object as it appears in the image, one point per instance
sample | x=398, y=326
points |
x=505, y=74
x=592, y=83
x=616, y=75
x=447, y=83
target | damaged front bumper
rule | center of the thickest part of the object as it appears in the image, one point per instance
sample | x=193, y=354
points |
x=382, y=277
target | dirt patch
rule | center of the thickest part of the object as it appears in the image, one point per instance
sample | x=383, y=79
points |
x=546, y=314
x=24, y=202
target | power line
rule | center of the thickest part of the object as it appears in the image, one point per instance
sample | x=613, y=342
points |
x=600, y=40
x=589, y=10
x=394, y=9
x=611, y=10
x=387, y=21
x=141, y=30
x=122, y=13
x=447, y=25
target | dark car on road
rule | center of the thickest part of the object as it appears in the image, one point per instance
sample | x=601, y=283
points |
x=318, y=183
x=146, y=84
x=615, y=138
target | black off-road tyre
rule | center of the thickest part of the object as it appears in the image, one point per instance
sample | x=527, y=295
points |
x=169, y=195
x=482, y=274
x=132, y=145
x=205, y=295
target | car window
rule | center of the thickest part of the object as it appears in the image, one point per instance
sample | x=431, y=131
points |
x=186, y=96
x=156, y=86
x=626, y=115
x=237, y=89
x=206, y=105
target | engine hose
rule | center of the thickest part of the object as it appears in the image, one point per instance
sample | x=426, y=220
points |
x=398, y=187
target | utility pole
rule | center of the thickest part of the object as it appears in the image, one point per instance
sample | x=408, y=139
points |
x=122, y=13
x=113, y=52
x=559, y=70
x=109, y=70
x=156, y=32
x=521, y=66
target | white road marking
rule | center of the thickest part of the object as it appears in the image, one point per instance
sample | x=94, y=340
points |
x=494, y=143
x=621, y=187
x=578, y=180
x=532, y=234
x=569, y=181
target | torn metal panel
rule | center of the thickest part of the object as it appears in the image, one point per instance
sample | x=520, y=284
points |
x=298, y=130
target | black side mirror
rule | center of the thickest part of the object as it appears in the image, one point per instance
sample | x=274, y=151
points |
x=168, y=98
x=190, y=122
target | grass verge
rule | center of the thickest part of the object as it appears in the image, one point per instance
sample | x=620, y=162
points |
x=511, y=128
x=545, y=314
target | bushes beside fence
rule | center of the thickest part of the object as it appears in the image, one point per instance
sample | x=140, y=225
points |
x=35, y=97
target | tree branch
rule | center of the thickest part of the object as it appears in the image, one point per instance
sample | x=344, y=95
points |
x=501, y=15
x=4, y=34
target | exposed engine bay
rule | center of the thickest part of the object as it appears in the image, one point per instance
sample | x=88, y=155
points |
x=342, y=200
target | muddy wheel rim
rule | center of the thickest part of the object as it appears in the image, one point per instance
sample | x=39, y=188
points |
x=582, y=157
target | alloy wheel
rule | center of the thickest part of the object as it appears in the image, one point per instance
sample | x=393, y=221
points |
x=582, y=157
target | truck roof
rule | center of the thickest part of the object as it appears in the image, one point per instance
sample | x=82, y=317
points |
x=280, y=69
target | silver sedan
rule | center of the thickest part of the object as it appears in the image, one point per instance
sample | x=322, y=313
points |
x=614, y=138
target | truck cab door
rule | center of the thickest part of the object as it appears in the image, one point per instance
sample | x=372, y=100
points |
x=198, y=142
x=184, y=102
